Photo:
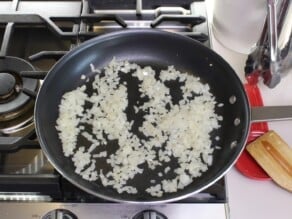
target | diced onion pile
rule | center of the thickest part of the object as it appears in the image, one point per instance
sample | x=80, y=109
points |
x=173, y=131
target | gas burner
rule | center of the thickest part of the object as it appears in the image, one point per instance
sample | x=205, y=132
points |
x=7, y=86
x=19, y=120
x=16, y=108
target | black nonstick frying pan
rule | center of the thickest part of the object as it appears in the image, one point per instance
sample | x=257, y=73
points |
x=158, y=49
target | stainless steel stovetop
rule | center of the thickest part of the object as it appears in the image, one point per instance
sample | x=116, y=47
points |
x=34, y=35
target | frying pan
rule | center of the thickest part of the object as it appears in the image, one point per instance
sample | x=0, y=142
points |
x=158, y=49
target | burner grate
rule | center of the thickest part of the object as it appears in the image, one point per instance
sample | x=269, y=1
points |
x=14, y=143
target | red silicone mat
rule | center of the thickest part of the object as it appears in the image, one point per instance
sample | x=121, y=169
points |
x=246, y=164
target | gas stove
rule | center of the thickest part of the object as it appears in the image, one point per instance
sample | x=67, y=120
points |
x=34, y=35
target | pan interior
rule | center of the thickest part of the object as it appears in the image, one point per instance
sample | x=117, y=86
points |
x=159, y=50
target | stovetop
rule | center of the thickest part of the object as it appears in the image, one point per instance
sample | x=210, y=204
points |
x=35, y=35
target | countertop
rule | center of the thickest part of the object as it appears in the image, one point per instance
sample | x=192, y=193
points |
x=250, y=198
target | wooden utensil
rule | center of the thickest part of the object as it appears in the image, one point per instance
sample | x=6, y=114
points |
x=275, y=157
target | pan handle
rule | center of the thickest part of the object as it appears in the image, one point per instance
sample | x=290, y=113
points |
x=271, y=113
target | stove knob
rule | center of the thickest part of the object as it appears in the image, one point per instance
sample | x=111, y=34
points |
x=60, y=214
x=149, y=214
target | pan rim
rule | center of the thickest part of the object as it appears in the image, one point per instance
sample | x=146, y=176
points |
x=110, y=36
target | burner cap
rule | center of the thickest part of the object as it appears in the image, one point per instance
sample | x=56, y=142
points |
x=7, y=84
x=11, y=97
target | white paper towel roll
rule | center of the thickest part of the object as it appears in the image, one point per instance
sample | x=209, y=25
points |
x=238, y=24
